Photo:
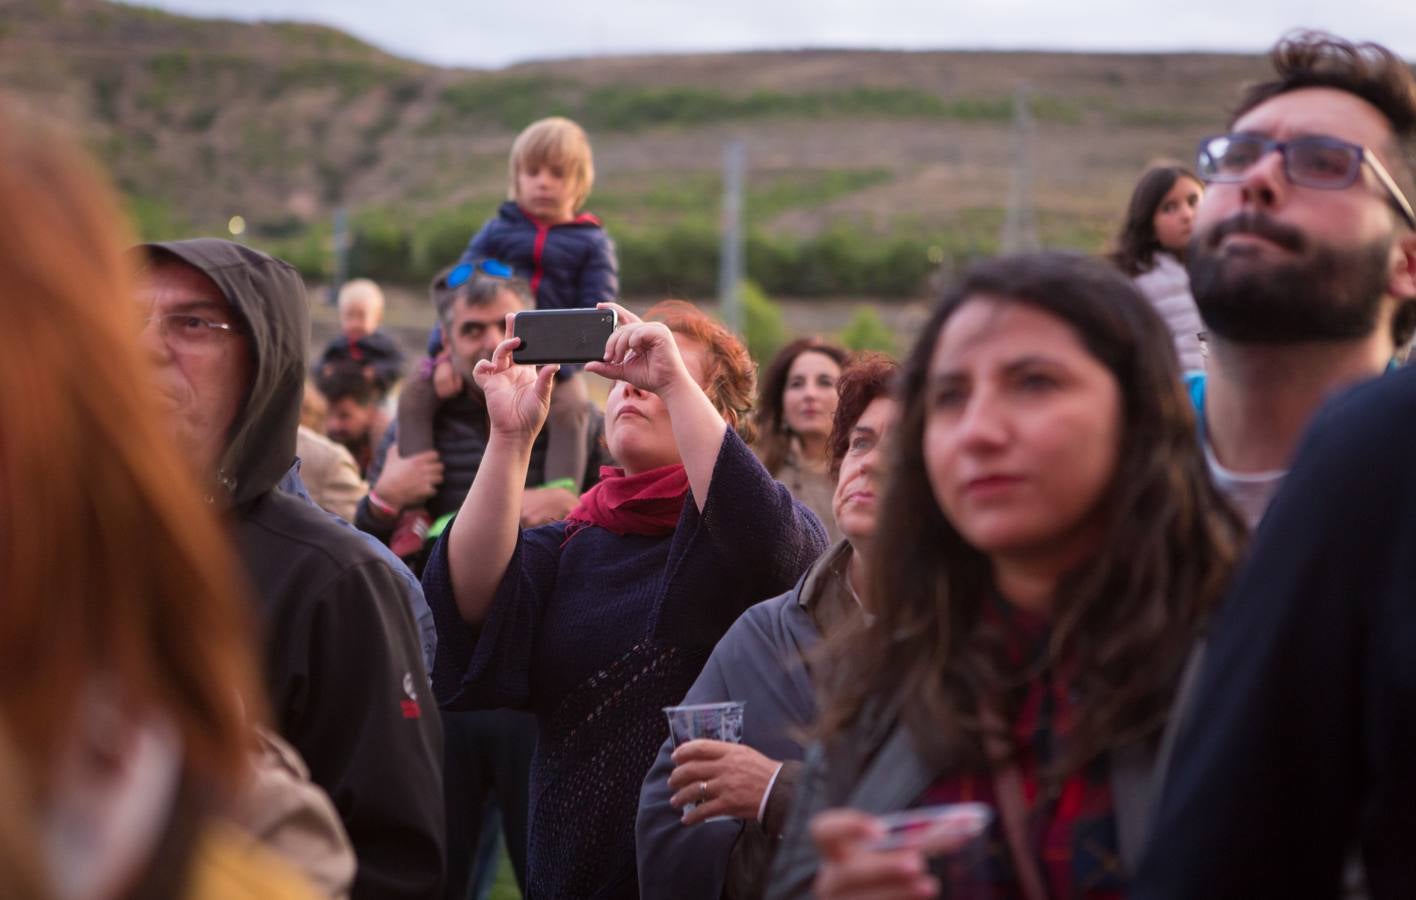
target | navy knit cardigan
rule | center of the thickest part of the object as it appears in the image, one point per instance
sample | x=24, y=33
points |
x=595, y=635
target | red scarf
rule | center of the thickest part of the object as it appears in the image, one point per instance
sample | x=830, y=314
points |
x=648, y=503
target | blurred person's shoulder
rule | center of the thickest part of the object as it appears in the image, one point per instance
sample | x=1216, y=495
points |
x=228, y=865
x=1376, y=420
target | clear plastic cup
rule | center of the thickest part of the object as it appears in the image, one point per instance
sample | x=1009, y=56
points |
x=953, y=837
x=709, y=721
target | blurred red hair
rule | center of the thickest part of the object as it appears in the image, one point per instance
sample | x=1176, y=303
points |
x=731, y=375
x=113, y=569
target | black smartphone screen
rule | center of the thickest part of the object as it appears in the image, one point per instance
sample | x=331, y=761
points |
x=562, y=335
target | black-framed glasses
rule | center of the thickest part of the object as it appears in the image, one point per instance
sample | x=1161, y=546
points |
x=1326, y=163
x=188, y=330
x=463, y=272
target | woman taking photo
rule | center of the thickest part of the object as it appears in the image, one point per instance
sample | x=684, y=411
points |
x=598, y=622
x=764, y=660
x=1150, y=250
x=1049, y=548
x=795, y=406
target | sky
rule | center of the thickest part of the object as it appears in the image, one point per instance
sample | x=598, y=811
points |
x=482, y=34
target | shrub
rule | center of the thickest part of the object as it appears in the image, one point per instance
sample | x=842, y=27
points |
x=764, y=327
x=512, y=102
x=867, y=331
x=381, y=251
x=682, y=261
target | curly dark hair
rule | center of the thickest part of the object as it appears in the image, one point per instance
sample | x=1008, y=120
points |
x=1123, y=621
x=866, y=377
x=773, y=439
x=1136, y=244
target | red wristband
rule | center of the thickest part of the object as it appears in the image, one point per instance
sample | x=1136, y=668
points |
x=382, y=506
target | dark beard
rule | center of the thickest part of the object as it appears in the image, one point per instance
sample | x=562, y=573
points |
x=1325, y=294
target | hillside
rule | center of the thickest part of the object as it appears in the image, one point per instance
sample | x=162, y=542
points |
x=866, y=168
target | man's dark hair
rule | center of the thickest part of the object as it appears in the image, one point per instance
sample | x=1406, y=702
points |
x=1306, y=59
x=338, y=380
x=476, y=291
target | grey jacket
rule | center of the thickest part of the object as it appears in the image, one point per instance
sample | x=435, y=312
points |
x=760, y=660
x=855, y=774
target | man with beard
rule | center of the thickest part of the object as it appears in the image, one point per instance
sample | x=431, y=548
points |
x=472, y=317
x=226, y=328
x=1301, y=263
x=487, y=754
x=1297, y=735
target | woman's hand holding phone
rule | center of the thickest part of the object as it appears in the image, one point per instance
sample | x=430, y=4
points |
x=644, y=354
x=518, y=397
x=851, y=868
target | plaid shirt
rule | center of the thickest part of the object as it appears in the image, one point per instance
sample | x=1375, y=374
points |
x=1071, y=827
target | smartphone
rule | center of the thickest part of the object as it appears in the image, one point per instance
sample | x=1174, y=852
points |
x=562, y=335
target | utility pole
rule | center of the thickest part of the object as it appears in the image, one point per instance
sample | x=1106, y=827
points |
x=342, y=242
x=1020, y=225
x=730, y=263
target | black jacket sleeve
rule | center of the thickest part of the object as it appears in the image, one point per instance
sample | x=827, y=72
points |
x=356, y=706
x=1303, y=733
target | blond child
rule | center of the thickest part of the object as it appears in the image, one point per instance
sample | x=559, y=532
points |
x=361, y=309
x=564, y=253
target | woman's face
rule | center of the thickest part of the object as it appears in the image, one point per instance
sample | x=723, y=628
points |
x=858, y=487
x=809, y=399
x=1022, y=430
x=637, y=427
x=1174, y=219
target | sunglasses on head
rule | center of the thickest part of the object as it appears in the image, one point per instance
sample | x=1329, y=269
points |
x=492, y=268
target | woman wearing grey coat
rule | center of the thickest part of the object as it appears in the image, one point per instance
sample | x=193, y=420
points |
x=765, y=661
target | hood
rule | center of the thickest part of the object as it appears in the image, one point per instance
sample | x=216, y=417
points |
x=269, y=296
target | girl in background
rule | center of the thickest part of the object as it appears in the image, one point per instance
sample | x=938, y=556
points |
x=795, y=406
x=1151, y=248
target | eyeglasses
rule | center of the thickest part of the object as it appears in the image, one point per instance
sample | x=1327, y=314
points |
x=461, y=274
x=1325, y=163
x=185, y=331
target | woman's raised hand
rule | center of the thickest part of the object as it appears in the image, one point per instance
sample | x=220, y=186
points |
x=641, y=353
x=518, y=397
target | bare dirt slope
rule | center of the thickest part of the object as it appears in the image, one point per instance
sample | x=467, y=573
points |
x=199, y=119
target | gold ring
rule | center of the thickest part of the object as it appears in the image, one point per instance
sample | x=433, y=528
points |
x=702, y=792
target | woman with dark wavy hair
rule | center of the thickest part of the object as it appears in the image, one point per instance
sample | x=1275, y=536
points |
x=1151, y=251
x=795, y=404
x=1050, y=546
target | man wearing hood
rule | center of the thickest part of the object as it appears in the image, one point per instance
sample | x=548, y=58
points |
x=228, y=330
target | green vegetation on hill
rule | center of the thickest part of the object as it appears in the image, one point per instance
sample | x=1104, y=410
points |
x=511, y=101
x=867, y=170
